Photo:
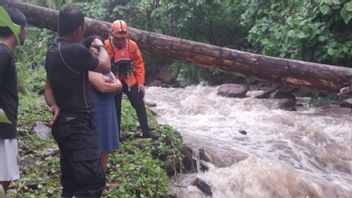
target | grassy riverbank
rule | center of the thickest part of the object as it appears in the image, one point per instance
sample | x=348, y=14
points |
x=135, y=170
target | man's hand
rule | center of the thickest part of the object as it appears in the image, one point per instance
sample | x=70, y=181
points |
x=141, y=88
x=55, y=110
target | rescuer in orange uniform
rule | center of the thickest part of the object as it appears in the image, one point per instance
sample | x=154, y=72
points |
x=128, y=65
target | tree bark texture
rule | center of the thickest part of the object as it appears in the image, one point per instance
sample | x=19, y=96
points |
x=292, y=72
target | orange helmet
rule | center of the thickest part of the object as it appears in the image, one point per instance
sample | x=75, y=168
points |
x=119, y=29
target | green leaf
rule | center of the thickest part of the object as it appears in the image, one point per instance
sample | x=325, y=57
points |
x=325, y=9
x=301, y=35
x=331, y=51
x=346, y=12
x=337, y=2
x=5, y=21
x=328, y=2
x=291, y=33
x=3, y=117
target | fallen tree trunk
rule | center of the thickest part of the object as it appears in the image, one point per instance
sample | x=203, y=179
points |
x=292, y=72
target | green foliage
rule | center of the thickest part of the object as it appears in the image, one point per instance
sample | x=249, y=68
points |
x=31, y=57
x=317, y=30
x=93, y=9
x=39, y=166
x=32, y=108
x=137, y=174
x=189, y=74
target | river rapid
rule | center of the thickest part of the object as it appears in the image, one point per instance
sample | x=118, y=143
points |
x=303, y=153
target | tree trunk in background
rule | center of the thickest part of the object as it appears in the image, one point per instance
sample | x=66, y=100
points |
x=296, y=73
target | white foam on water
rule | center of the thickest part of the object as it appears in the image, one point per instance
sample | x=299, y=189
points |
x=306, y=153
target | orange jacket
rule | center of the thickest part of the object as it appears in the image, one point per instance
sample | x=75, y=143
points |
x=136, y=57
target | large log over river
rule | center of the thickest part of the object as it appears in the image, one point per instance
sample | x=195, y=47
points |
x=292, y=72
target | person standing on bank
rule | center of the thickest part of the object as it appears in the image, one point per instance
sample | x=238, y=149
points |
x=67, y=95
x=13, y=25
x=128, y=65
x=104, y=87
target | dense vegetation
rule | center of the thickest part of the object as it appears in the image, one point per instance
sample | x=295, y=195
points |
x=313, y=30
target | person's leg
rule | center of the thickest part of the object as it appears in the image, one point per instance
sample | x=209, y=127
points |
x=67, y=180
x=9, y=169
x=136, y=100
x=85, y=162
x=104, y=160
x=61, y=134
x=81, y=159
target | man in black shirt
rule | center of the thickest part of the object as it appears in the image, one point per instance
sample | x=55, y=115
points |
x=12, y=32
x=68, y=98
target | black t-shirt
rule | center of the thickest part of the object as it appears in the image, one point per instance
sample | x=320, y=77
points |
x=67, y=64
x=8, y=92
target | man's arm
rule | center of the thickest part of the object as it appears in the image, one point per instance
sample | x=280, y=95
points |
x=104, y=84
x=50, y=101
x=139, y=66
x=104, y=64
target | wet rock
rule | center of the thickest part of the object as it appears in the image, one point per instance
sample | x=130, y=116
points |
x=224, y=158
x=267, y=92
x=346, y=103
x=287, y=104
x=203, y=186
x=42, y=130
x=232, y=90
x=172, y=167
x=150, y=104
x=280, y=94
x=203, y=166
x=205, y=156
x=242, y=131
x=189, y=163
x=171, y=195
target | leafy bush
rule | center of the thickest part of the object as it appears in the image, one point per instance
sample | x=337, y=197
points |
x=318, y=30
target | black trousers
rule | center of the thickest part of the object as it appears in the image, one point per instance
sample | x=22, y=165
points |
x=81, y=171
x=136, y=100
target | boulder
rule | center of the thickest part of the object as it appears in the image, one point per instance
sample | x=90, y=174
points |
x=189, y=163
x=203, y=186
x=42, y=130
x=267, y=92
x=205, y=156
x=232, y=90
x=346, y=103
